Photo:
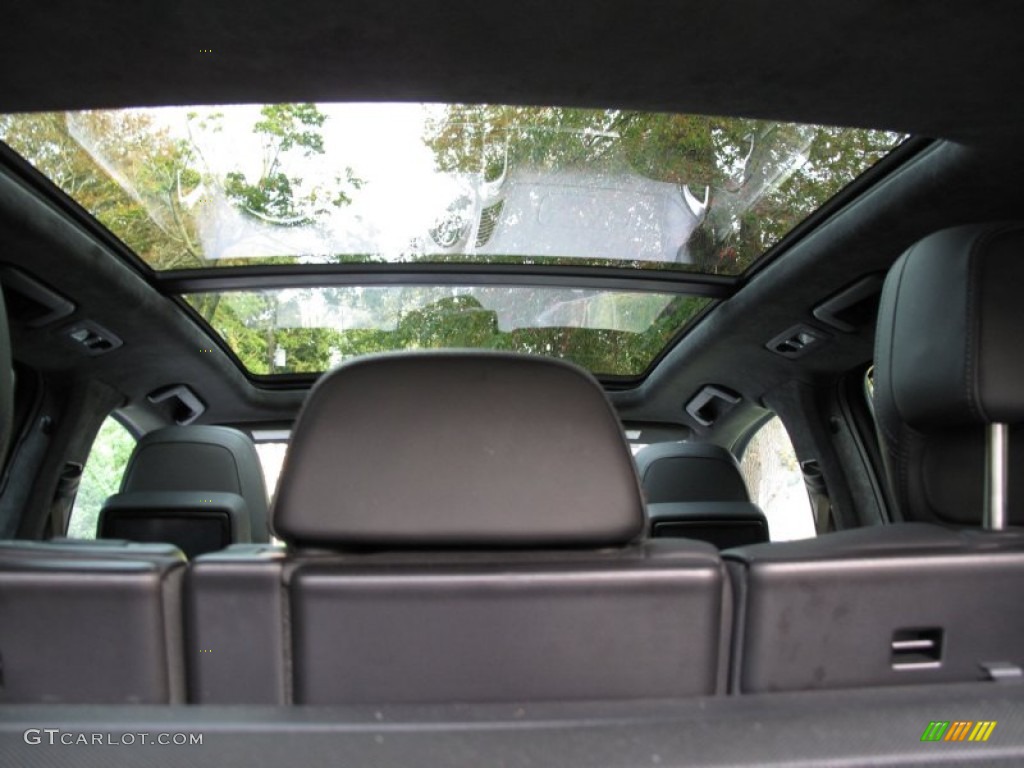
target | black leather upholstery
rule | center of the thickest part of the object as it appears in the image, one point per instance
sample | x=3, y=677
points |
x=639, y=622
x=92, y=623
x=201, y=458
x=474, y=467
x=828, y=612
x=198, y=487
x=947, y=360
x=454, y=449
x=675, y=472
x=914, y=602
x=696, y=491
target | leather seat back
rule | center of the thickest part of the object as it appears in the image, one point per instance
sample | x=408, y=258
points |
x=465, y=527
x=91, y=623
x=912, y=602
x=200, y=488
x=696, y=491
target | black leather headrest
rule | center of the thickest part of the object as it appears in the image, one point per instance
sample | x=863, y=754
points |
x=201, y=458
x=947, y=361
x=458, y=449
x=948, y=342
x=675, y=472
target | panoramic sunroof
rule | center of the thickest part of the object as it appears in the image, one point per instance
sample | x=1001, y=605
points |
x=199, y=187
x=217, y=188
x=308, y=330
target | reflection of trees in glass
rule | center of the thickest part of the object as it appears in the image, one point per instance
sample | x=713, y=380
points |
x=159, y=168
x=435, y=317
x=764, y=177
x=148, y=187
x=274, y=196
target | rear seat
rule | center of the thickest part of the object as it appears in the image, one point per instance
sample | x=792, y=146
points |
x=894, y=605
x=200, y=488
x=461, y=528
x=100, y=622
x=696, y=491
x=913, y=602
x=96, y=624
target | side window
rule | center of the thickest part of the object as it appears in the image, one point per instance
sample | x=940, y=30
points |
x=772, y=473
x=271, y=455
x=101, y=477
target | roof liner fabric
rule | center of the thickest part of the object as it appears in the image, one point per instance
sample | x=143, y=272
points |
x=925, y=68
x=458, y=449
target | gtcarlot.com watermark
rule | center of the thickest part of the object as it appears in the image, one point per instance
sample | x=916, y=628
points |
x=56, y=736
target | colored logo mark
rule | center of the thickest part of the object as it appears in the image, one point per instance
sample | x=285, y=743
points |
x=958, y=730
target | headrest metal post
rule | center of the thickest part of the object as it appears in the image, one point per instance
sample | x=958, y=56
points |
x=997, y=444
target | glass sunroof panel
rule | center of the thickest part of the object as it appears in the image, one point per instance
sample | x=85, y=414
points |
x=190, y=187
x=308, y=330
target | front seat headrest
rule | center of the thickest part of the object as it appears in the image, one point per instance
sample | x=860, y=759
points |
x=675, y=472
x=458, y=449
x=947, y=363
x=201, y=458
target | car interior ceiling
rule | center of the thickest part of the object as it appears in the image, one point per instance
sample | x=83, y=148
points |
x=946, y=76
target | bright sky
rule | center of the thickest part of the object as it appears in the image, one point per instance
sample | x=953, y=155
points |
x=402, y=197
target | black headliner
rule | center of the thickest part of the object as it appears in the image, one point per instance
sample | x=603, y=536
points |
x=920, y=67
x=950, y=70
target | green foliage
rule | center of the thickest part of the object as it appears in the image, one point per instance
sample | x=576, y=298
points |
x=145, y=186
x=284, y=126
x=272, y=196
x=275, y=196
x=101, y=477
x=763, y=177
x=455, y=321
x=145, y=212
x=252, y=324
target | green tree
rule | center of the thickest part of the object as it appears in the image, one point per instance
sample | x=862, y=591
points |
x=274, y=196
x=136, y=196
x=763, y=177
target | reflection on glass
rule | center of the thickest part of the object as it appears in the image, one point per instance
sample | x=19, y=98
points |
x=302, y=183
x=312, y=329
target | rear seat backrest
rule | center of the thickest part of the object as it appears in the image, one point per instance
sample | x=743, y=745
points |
x=461, y=527
x=91, y=624
x=696, y=490
x=200, y=488
x=908, y=603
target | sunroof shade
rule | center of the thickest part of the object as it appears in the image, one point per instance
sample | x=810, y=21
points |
x=196, y=187
x=613, y=333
